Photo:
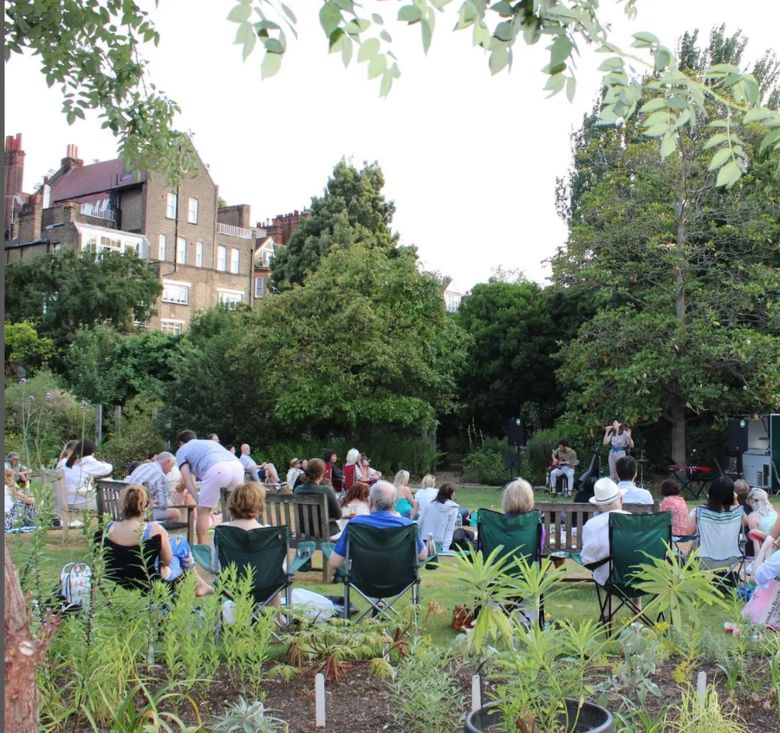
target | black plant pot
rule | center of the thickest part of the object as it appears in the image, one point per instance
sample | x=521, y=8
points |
x=591, y=719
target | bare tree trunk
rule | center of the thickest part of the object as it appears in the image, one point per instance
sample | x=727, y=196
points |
x=22, y=655
x=679, y=449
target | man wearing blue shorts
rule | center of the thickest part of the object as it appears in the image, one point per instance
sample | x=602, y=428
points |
x=211, y=464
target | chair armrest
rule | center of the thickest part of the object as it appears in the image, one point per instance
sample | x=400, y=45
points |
x=326, y=548
x=303, y=553
x=202, y=555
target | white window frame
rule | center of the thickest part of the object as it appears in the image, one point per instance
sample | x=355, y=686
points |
x=176, y=292
x=235, y=260
x=198, y=254
x=259, y=291
x=171, y=206
x=221, y=258
x=174, y=326
x=181, y=251
x=162, y=247
x=230, y=298
x=192, y=210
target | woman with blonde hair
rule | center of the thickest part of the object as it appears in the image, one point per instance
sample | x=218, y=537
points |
x=517, y=498
x=405, y=504
x=426, y=493
x=762, y=517
x=175, y=554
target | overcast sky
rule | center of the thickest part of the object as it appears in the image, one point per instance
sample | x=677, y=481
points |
x=469, y=159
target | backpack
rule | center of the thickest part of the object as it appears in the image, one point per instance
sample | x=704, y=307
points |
x=76, y=583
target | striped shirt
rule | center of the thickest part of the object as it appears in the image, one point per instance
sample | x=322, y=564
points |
x=150, y=474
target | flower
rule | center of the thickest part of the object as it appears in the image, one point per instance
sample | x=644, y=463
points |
x=50, y=395
x=22, y=381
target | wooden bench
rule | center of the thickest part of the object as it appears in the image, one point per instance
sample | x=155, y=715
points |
x=305, y=514
x=566, y=536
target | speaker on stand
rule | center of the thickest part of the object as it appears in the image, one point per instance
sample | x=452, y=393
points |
x=515, y=431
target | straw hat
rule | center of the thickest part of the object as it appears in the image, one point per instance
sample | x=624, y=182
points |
x=606, y=491
x=294, y=462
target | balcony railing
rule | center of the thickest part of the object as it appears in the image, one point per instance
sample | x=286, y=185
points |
x=98, y=213
x=231, y=231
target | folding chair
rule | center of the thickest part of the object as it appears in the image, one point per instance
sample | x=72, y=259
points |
x=520, y=535
x=349, y=476
x=132, y=567
x=719, y=543
x=632, y=538
x=264, y=549
x=381, y=563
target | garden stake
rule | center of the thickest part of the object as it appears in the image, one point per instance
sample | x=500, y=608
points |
x=319, y=700
x=701, y=686
x=476, y=696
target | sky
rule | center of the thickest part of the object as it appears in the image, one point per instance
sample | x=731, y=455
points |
x=469, y=159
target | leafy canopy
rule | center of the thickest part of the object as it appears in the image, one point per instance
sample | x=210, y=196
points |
x=92, y=48
x=351, y=210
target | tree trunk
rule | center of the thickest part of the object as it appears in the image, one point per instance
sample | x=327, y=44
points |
x=677, y=410
x=22, y=655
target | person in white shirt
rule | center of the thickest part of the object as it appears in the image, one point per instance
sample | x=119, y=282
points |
x=626, y=471
x=426, y=493
x=438, y=517
x=607, y=498
x=248, y=462
x=80, y=469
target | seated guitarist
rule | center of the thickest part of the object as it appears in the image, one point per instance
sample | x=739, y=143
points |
x=563, y=461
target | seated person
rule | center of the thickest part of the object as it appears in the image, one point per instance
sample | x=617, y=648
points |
x=295, y=472
x=426, y=493
x=355, y=502
x=21, y=473
x=332, y=471
x=741, y=491
x=518, y=498
x=625, y=467
x=175, y=555
x=405, y=504
x=439, y=517
x=766, y=566
x=585, y=494
x=18, y=505
x=364, y=472
x=720, y=499
x=761, y=518
x=250, y=467
x=676, y=505
x=607, y=498
x=245, y=504
x=563, y=461
x=381, y=501
x=81, y=468
x=313, y=484
x=153, y=474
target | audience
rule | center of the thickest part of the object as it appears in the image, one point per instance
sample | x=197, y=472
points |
x=675, y=505
x=720, y=498
x=625, y=467
x=81, y=468
x=332, y=471
x=761, y=518
x=175, y=555
x=355, y=501
x=438, y=517
x=313, y=484
x=295, y=471
x=405, y=504
x=18, y=505
x=607, y=498
x=426, y=493
x=152, y=474
x=381, y=500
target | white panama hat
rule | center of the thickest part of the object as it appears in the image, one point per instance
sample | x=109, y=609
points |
x=605, y=491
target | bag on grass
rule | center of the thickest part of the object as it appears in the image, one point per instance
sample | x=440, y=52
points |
x=462, y=539
x=76, y=583
x=764, y=605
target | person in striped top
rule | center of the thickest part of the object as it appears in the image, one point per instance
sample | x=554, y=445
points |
x=152, y=474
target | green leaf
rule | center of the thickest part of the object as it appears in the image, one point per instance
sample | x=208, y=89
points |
x=560, y=50
x=757, y=114
x=720, y=157
x=729, y=174
x=668, y=145
x=273, y=45
x=571, y=88
x=271, y=64
x=409, y=14
x=505, y=32
x=377, y=65
x=771, y=139
x=555, y=84
x=368, y=49
x=718, y=139
x=654, y=105
x=427, y=35
x=643, y=40
x=289, y=13
x=499, y=59
x=330, y=17
x=240, y=13
x=663, y=57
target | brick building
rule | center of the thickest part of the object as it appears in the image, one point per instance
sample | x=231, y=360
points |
x=204, y=253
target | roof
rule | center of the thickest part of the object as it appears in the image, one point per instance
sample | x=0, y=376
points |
x=87, y=180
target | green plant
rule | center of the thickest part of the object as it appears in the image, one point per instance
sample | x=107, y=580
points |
x=424, y=691
x=538, y=450
x=703, y=715
x=148, y=717
x=635, y=719
x=641, y=653
x=246, y=717
x=485, y=465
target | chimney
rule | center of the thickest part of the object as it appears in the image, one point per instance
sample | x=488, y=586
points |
x=71, y=159
x=14, y=179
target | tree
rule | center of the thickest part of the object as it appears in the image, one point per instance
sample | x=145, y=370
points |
x=60, y=292
x=93, y=50
x=510, y=370
x=685, y=275
x=351, y=210
x=366, y=340
x=24, y=348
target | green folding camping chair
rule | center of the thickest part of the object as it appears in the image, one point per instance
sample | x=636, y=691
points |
x=264, y=549
x=519, y=534
x=634, y=539
x=381, y=565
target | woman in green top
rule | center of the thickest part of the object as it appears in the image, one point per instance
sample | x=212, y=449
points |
x=312, y=484
x=405, y=504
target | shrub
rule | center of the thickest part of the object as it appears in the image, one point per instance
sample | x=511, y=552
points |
x=40, y=416
x=537, y=454
x=485, y=465
x=139, y=435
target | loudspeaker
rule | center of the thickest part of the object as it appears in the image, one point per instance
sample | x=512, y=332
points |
x=515, y=429
x=737, y=435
